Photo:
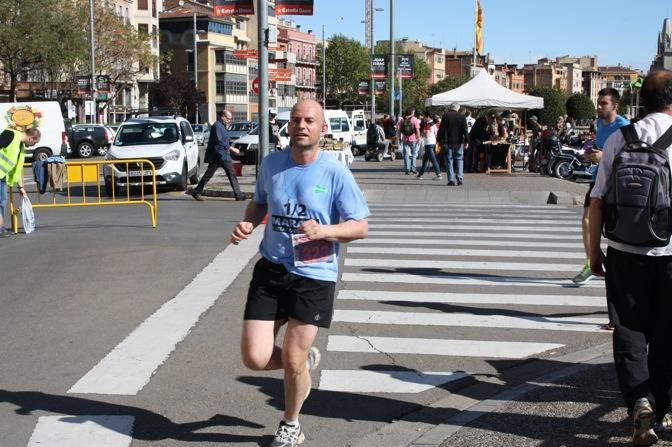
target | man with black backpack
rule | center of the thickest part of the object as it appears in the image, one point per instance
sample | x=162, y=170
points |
x=632, y=204
x=409, y=130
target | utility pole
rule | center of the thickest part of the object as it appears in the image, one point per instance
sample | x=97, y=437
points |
x=369, y=42
x=392, y=55
x=94, y=87
x=196, y=67
x=324, y=70
x=262, y=51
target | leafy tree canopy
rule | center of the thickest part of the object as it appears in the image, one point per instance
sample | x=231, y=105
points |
x=554, y=104
x=580, y=107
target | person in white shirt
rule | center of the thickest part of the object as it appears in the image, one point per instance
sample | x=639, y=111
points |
x=638, y=281
x=428, y=130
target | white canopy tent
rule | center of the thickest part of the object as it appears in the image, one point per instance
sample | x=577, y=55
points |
x=483, y=92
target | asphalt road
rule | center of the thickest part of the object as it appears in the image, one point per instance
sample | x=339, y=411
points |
x=87, y=278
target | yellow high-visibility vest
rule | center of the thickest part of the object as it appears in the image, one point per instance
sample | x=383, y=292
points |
x=11, y=159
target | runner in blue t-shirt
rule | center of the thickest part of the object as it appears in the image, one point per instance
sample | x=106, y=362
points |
x=313, y=204
x=608, y=121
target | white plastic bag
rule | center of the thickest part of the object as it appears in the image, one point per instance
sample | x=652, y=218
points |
x=27, y=215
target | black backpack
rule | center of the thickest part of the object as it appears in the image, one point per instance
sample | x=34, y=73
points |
x=637, y=206
x=407, y=128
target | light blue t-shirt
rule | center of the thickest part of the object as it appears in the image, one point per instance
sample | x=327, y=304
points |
x=604, y=131
x=323, y=190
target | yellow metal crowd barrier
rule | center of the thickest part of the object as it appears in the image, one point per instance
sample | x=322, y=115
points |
x=89, y=176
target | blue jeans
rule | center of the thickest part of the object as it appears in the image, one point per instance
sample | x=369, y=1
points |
x=3, y=198
x=454, y=152
x=429, y=156
x=410, y=152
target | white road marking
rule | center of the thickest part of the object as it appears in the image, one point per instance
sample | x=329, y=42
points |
x=473, y=298
x=130, y=365
x=472, y=266
x=468, y=252
x=491, y=214
x=478, y=221
x=460, y=242
x=573, y=324
x=480, y=206
x=430, y=346
x=462, y=280
x=358, y=381
x=479, y=227
x=489, y=237
x=80, y=431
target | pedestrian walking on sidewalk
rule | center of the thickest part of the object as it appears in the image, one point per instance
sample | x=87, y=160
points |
x=607, y=123
x=429, y=129
x=12, y=156
x=453, y=136
x=313, y=204
x=218, y=154
x=409, y=134
x=638, y=271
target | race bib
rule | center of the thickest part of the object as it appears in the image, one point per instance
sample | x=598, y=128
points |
x=308, y=252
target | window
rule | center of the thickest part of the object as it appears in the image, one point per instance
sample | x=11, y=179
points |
x=143, y=29
x=235, y=84
x=143, y=5
x=219, y=56
x=339, y=124
x=186, y=129
x=219, y=84
x=229, y=59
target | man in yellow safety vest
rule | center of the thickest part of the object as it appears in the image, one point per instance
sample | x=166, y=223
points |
x=12, y=155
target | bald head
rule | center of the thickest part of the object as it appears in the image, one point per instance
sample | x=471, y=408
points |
x=657, y=91
x=306, y=124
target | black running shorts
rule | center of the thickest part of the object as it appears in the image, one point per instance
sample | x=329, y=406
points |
x=275, y=294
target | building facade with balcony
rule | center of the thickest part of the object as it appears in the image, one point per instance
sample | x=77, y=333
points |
x=222, y=78
x=297, y=54
x=619, y=77
x=545, y=73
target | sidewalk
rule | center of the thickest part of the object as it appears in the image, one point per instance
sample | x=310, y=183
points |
x=386, y=182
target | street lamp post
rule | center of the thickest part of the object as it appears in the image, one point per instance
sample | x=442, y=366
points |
x=324, y=70
x=392, y=59
x=370, y=11
x=196, y=67
x=94, y=89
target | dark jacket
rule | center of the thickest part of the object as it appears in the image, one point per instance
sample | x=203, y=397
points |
x=218, y=144
x=479, y=131
x=453, y=129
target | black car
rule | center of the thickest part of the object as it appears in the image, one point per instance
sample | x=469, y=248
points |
x=90, y=139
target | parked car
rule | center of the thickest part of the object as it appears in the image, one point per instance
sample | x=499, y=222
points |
x=168, y=142
x=90, y=139
x=201, y=132
x=241, y=128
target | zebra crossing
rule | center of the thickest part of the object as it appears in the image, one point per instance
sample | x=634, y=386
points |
x=449, y=285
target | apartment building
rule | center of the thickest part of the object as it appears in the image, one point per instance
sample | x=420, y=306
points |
x=619, y=77
x=297, y=50
x=545, y=73
x=221, y=77
x=515, y=78
x=133, y=96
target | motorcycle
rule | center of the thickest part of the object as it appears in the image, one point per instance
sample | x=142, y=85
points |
x=569, y=164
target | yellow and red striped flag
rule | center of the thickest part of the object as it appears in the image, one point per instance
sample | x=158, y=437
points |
x=479, y=27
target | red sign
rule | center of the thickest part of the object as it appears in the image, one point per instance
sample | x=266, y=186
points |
x=255, y=85
x=280, y=72
x=245, y=54
x=231, y=7
x=294, y=7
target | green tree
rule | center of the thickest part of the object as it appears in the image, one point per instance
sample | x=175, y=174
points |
x=449, y=83
x=347, y=62
x=175, y=92
x=122, y=52
x=36, y=40
x=580, y=107
x=554, y=104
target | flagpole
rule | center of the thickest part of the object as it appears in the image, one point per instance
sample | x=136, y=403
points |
x=473, y=63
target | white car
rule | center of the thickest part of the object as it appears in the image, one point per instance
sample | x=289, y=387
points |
x=167, y=142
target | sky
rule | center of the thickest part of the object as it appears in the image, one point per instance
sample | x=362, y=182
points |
x=514, y=31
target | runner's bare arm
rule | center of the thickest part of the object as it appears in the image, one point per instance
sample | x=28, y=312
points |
x=347, y=231
x=254, y=214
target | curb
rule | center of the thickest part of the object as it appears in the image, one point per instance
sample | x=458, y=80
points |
x=470, y=409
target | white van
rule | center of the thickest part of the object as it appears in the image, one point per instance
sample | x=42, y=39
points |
x=47, y=116
x=359, y=127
